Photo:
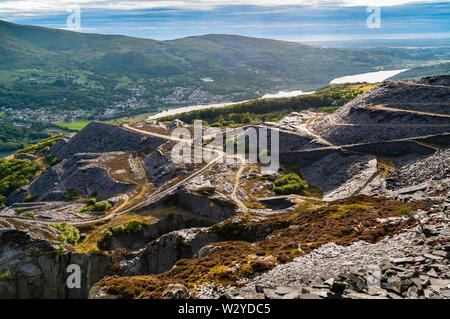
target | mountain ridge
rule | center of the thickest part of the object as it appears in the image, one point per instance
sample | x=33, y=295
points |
x=240, y=67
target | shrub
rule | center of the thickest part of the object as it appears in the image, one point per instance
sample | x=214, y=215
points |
x=5, y=276
x=405, y=211
x=170, y=215
x=73, y=193
x=2, y=201
x=52, y=160
x=46, y=149
x=134, y=226
x=246, y=120
x=31, y=198
x=102, y=206
x=67, y=233
x=28, y=215
x=91, y=201
x=118, y=230
x=15, y=173
x=290, y=184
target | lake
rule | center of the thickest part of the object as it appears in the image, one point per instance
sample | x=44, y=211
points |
x=185, y=109
x=3, y=155
x=369, y=77
x=286, y=94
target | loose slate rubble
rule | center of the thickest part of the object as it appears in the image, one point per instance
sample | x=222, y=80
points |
x=407, y=266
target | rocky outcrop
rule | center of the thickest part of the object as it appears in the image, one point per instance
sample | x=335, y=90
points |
x=338, y=174
x=102, y=138
x=36, y=268
x=414, y=264
x=161, y=254
x=216, y=207
x=415, y=172
x=81, y=175
x=392, y=110
x=161, y=168
x=170, y=223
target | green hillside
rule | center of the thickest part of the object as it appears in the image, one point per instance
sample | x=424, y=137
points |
x=420, y=72
x=56, y=69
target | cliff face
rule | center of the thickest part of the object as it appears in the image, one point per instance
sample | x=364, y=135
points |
x=38, y=268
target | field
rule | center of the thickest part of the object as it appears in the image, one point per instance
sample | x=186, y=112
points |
x=75, y=126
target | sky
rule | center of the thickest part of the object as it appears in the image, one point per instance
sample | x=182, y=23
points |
x=293, y=20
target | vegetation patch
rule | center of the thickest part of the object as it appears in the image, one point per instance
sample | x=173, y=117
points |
x=5, y=276
x=273, y=109
x=43, y=146
x=132, y=227
x=73, y=193
x=75, y=126
x=67, y=233
x=31, y=198
x=290, y=184
x=30, y=215
x=94, y=206
x=14, y=174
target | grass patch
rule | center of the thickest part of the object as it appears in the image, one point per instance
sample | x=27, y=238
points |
x=75, y=126
x=30, y=215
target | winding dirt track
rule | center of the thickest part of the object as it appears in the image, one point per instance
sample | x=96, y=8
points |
x=162, y=193
x=154, y=197
x=234, y=196
x=330, y=120
x=393, y=109
x=320, y=138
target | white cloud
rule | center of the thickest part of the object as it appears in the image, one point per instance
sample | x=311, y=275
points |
x=53, y=6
